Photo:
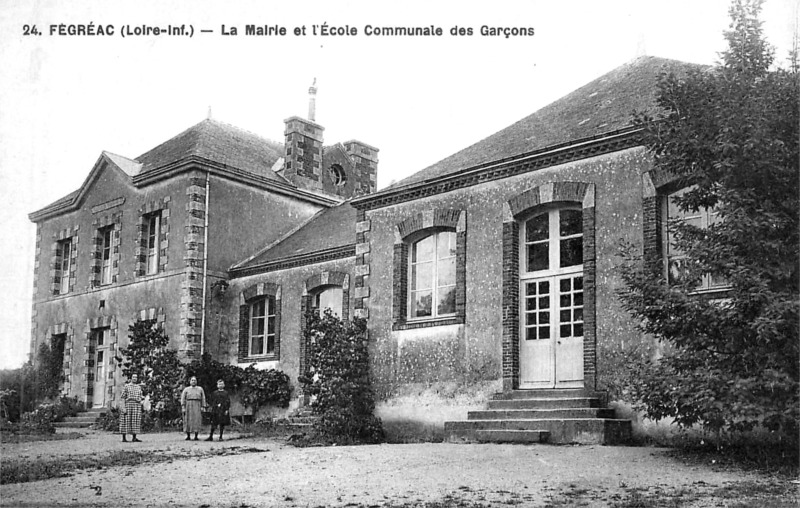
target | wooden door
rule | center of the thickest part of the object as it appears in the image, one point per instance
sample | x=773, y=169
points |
x=551, y=301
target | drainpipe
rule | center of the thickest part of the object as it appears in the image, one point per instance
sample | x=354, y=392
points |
x=205, y=272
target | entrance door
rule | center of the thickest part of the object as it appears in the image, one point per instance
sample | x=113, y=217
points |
x=99, y=396
x=551, y=301
x=100, y=341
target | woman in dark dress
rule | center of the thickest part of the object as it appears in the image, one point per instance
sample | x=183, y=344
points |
x=220, y=410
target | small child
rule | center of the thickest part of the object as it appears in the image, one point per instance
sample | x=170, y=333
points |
x=220, y=409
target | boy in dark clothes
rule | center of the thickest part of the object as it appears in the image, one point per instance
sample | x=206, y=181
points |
x=220, y=410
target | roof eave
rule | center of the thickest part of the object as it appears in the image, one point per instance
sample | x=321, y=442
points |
x=56, y=209
x=494, y=170
x=320, y=256
x=231, y=173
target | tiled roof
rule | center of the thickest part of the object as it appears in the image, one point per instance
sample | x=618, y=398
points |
x=328, y=229
x=130, y=167
x=218, y=142
x=69, y=198
x=606, y=104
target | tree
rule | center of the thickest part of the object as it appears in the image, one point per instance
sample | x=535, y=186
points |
x=160, y=372
x=730, y=132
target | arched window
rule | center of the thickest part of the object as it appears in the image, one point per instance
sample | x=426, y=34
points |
x=432, y=280
x=329, y=297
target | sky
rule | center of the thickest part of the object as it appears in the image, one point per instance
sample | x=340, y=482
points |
x=66, y=98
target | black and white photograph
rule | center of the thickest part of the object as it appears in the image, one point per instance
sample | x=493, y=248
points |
x=437, y=254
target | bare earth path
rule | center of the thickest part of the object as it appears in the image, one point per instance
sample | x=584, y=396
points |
x=383, y=475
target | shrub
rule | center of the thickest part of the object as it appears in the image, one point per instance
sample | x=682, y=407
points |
x=256, y=388
x=39, y=421
x=339, y=377
x=68, y=406
x=160, y=372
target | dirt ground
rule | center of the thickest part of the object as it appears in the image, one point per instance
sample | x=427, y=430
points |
x=275, y=474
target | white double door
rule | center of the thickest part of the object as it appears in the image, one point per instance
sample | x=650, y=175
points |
x=551, y=331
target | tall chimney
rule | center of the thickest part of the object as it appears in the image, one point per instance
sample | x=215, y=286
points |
x=312, y=101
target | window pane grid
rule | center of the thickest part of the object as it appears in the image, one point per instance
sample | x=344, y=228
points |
x=676, y=261
x=553, y=240
x=262, y=327
x=570, y=296
x=151, y=235
x=105, y=255
x=537, y=310
x=433, y=280
x=65, y=253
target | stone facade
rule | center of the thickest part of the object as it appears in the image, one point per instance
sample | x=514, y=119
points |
x=245, y=251
x=151, y=237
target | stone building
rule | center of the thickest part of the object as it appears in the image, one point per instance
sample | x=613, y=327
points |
x=151, y=237
x=486, y=278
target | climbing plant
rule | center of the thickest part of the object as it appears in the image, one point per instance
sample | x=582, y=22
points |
x=339, y=378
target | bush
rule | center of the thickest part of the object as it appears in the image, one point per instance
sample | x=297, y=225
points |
x=68, y=406
x=339, y=377
x=39, y=421
x=160, y=372
x=255, y=387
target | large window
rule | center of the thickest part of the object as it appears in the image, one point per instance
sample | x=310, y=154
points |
x=262, y=327
x=329, y=297
x=432, y=280
x=675, y=259
x=106, y=249
x=150, y=236
x=64, y=264
x=553, y=241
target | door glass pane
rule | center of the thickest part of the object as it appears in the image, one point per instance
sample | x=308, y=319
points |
x=571, y=252
x=538, y=257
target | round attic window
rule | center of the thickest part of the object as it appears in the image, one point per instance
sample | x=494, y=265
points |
x=338, y=176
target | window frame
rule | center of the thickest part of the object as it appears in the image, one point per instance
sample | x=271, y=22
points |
x=269, y=316
x=434, y=287
x=554, y=242
x=704, y=215
x=151, y=237
x=65, y=264
x=414, y=227
x=316, y=299
x=106, y=235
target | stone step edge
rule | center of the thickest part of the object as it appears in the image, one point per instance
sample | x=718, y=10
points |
x=486, y=414
x=542, y=420
x=512, y=435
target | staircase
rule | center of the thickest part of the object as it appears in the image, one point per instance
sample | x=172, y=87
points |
x=542, y=416
x=301, y=420
x=82, y=420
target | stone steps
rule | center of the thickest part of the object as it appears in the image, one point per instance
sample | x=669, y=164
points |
x=82, y=420
x=542, y=416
